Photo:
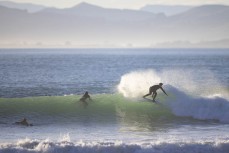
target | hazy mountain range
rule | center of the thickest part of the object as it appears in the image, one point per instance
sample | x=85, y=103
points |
x=86, y=25
x=23, y=6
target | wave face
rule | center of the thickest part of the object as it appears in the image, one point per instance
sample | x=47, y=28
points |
x=35, y=146
x=110, y=108
x=105, y=108
x=57, y=109
x=195, y=94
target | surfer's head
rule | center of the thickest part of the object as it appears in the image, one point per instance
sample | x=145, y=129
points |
x=160, y=84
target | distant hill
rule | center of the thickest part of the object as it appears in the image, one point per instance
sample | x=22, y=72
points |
x=23, y=6
x=166, y=9
x=204, y=11
x=89, y=25
x=210, y=22
x=92, y=11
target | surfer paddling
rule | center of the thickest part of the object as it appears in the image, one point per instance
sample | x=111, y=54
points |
x=153, y=89
x=24, y=122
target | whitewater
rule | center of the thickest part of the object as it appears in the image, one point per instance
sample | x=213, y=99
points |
x=45, y=87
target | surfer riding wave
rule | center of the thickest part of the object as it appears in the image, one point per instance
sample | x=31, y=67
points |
x=153, y=89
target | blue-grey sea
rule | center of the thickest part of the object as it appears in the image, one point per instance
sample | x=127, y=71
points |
x=45, y=85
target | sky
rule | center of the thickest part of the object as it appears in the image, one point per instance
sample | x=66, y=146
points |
x=121, y=4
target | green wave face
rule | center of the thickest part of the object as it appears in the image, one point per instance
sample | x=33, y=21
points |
x=104, y=109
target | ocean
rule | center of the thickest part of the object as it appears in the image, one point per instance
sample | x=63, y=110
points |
x=45, y=85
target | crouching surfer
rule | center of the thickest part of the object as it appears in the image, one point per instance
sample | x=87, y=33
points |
x=23, y=122
x=153, y=89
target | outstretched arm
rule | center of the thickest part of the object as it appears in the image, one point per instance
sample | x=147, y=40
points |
x=163, y=91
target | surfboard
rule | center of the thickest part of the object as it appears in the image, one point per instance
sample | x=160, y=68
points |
x=150, y=100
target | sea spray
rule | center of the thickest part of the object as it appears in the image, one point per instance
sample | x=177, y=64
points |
x=190, y=94
x=137, y=83
x=194, y=82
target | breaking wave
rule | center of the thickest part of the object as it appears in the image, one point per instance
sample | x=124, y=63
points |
x=47, y=146
x=195, y=94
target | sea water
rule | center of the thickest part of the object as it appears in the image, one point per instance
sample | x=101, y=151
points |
x=45, y=85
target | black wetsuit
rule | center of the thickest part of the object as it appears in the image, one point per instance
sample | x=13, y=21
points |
x=85, y=96
x=153, y=89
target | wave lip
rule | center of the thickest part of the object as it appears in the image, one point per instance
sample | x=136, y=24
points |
x=35, y=146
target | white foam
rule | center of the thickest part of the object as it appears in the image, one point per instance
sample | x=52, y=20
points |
x=198, y=107
x=44, y=146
